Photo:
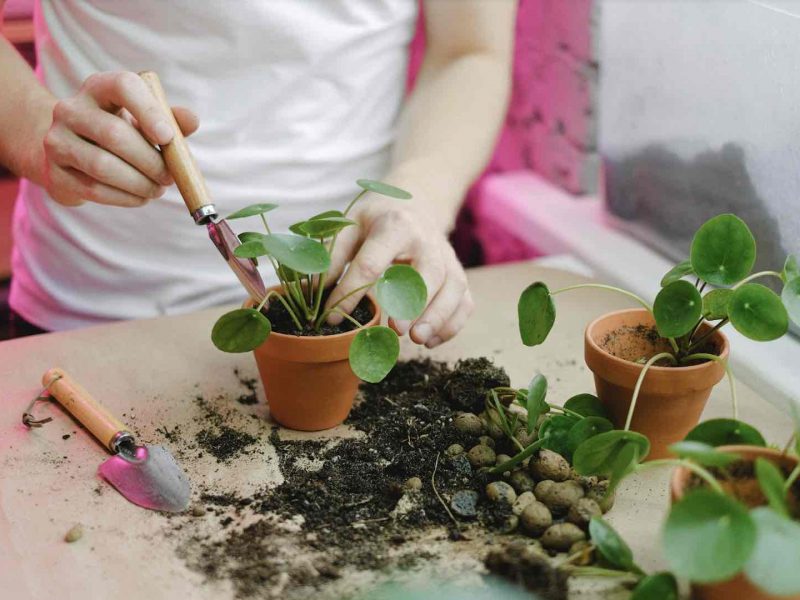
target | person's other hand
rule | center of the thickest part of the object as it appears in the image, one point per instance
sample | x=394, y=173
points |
x=399, y=231
x=100, y=145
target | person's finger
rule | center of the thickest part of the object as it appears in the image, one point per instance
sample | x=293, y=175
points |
x=455, y=323
x=430, y=264
x=101, y=165
x=75, y=188
x=442, y=307
x=112, y=91
x=375, y=255
x=118, y=136
x=187, y=120
x=346, y=247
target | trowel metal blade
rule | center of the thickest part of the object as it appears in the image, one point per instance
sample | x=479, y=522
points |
x=149, y=477
x=244, y=268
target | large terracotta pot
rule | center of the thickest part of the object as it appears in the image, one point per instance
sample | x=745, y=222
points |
x=307, y=379
x=671, y=399
x=739, y=587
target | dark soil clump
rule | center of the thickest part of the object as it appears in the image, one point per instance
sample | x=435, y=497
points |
x=471, y=380
x=225, y=443
x=282, y=321
x=522, y=564
x=249, y=383
x=348, y=497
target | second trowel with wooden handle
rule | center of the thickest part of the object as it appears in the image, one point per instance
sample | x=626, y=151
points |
x=192, y=186
x=145, y=475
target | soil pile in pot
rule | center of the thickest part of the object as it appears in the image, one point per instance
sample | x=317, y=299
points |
x=282, y=322
x=640, y=343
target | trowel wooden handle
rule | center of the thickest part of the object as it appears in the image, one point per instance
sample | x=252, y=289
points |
x=93, y=415
x=179, y=159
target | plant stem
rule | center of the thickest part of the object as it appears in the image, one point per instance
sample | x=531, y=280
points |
x=597, y=572
x=353, y=201
x=349, y=318
x=286, y=306
x=639, y=382
x=791, y=479
x=264, y=220
x=756, y=275
x=565, y=411
x=728, y=372
x=677, y=462
x=707, y=335
x=342, y=299
x=601, y=286
x=518, y=458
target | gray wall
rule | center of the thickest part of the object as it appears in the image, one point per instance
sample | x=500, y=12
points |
x=700, y=114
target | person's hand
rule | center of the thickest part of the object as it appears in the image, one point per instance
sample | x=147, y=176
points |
x=392, y=231
x=99, y=147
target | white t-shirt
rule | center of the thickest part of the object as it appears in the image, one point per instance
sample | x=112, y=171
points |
x=297, y=99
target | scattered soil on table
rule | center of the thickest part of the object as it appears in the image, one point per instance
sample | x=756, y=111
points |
x=739, y=480
x=250, y=384
x=640, y=343
x=224, y=443
x=467, y=386
x=519, y=563
x=342, y=506
x=282, y=321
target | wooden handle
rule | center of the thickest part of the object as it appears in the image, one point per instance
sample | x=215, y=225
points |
x=94, y=416
x=179, y=159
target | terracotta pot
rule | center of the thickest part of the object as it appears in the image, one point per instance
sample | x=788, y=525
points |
x=671, y=399
x=739, y=587
x=307, y=379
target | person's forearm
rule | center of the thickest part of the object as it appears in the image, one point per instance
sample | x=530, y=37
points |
x=448, y=129
x=26, y=110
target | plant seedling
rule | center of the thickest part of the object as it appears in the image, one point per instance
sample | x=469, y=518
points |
x=722, y=254
x=301, y=260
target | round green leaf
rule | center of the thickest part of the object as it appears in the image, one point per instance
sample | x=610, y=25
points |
x=723, y=250
x=703, y=454
x=771, y=482
x=535, y=402
x=708, y=537
x=373, y=353
x=715, y=304
x=322, y=227
x=300, y=254
x=402, y=292
x=758, y=313
x=252, y=248
x=677, y=309
x=599, y=454
x=791, y=269
x=240, y=330
x=586, y=428
x=660, y=586
x=677, y=273
x=791, y=299
x=537, y=313
x=554, y=434
x=249, y=236
x=252, y=211
x=726, y=432
x=384, y=189
x=587, y=405
x=773, y=563
x=610, y=545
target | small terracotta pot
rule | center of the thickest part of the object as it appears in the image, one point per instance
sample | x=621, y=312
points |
x=671, y=399
x=739, y=587
x=307, y=379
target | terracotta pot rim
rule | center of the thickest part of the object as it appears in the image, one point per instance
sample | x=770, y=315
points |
x=320, y=339
x=680, y=475
x=622, y=362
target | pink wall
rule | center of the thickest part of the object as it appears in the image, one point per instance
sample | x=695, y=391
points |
x=550, y=126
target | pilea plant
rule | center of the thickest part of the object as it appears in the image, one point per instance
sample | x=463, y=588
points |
x=710, y=535
x=301, y=260
x=723, y=253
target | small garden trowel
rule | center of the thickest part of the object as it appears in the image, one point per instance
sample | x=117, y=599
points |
x=192, y=187
x=145, y=475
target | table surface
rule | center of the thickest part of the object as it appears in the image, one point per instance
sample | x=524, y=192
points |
x=150, y=370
